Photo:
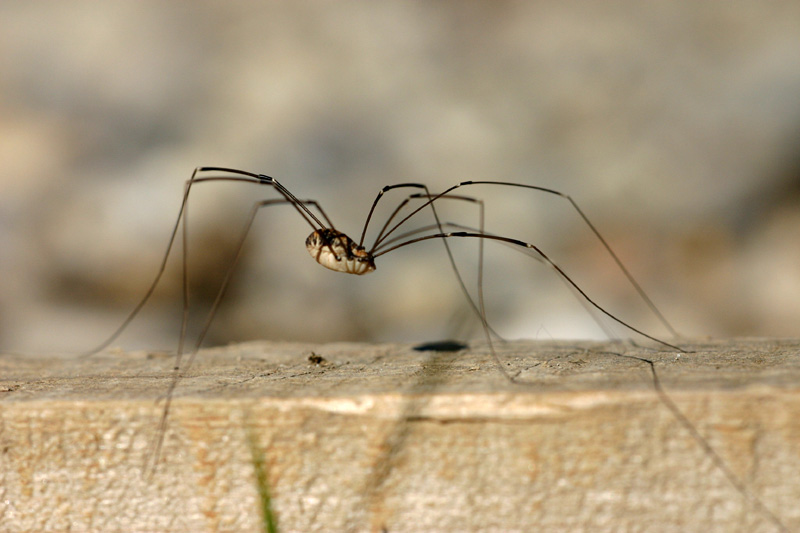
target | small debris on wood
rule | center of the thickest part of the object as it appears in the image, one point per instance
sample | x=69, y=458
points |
x=316, y=359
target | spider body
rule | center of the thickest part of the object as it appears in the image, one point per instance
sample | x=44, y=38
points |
x=336, y=251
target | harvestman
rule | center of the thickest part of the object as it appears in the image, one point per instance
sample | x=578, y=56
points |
x=336, y=251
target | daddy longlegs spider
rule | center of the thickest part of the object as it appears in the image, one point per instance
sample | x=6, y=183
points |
x=338, y=252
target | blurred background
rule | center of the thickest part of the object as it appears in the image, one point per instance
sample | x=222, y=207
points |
x=675, y=125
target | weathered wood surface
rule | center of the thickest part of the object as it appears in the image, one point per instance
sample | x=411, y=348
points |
x=382, y=436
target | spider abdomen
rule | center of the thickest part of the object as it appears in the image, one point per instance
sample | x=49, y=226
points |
x=336, y=251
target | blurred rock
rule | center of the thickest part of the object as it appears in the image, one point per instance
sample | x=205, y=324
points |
x=663, y=122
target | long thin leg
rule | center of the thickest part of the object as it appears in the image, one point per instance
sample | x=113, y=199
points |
x=531, y=253
x=268, y=180
x=178, y=371
x=375, y=204
x=547, y=260
x=391, y=217
x=572, y=202
x=244, y=177
x=185, y=281
x=382, y=234
x=719, y=463
x=665, y=399
x=380, y=238
x=194, y=179
x=381, y=241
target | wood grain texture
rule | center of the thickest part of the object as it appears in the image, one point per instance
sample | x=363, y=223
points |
x=381, y=436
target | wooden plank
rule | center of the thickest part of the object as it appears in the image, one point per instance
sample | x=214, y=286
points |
x=382, y=436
